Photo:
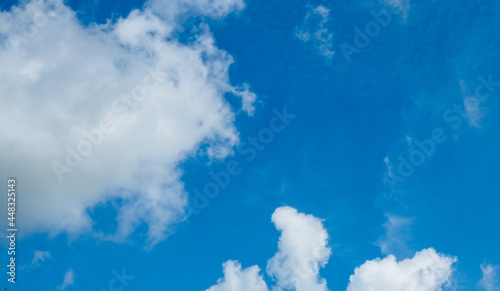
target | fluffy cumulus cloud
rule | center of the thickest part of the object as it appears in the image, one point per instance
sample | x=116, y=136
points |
x=100, y=113
x=314, y=30
x=303, y=250
x=236, y=279
x=489, y=281
x=426, y=271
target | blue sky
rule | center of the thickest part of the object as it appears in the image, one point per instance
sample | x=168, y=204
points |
x=390, y=149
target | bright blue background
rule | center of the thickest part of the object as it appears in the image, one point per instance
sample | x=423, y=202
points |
x=329, y=160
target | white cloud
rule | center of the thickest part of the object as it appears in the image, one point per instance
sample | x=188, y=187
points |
x=69, y=279
x=164, y=98
x=489, y=281
x=236, y=279
x=302, y=251
x=314, y=30
x=396, y=237
x=39, y=257
x=426, y=271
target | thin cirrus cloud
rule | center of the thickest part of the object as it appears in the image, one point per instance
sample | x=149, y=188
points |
x=471, y=106
x=396, y=237
x=69, y=279
x=314, y=30
x=39, y=257
x=303, y=249
x=489, y=281
x=99, y=113
x=402, y=5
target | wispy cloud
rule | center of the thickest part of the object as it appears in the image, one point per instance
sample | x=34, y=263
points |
x=489, y=281
x=39, y=257
x=471, y=104
x=314, y=30
x=396, y=237
x=402, y=5
x=69, y=279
